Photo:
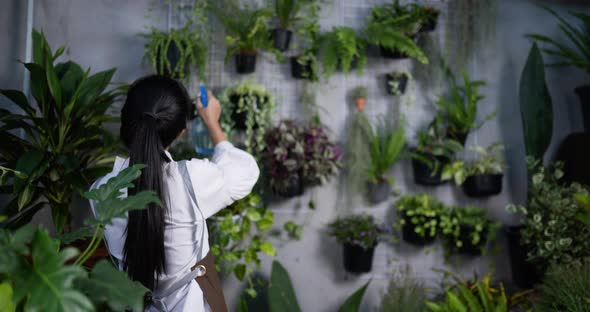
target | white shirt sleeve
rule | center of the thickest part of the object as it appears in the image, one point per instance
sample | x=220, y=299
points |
x=229, y=176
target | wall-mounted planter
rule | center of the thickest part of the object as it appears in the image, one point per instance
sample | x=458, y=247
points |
x=524, y=274
x=396, y=83
x=240, y=118
x=353, y=64
x=483, y=185
x=460, y=137
x=378, y=192
x=392, y=54
x=410, y=236
x=430, y=25
x=173, y=56
x=294, y=187
x=281, y=38
x=357, y=259
x=467, y=248
x=429, y=175
x=583, y=93
x=246, y=62
x=299, y=70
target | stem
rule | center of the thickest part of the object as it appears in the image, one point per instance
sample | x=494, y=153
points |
x=83, y=255
x=91, y=252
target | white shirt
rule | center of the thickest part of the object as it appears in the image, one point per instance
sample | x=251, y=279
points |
x=229, y=176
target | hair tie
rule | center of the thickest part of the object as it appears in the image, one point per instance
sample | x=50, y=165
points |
x=153, y=115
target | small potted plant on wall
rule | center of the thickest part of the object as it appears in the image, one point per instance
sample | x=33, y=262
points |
x=342, y=49
x=249, y=106
x=418, y=217
x=429, y=18
x=284, y=157
x=481, y=177
x=305, y=65
x=396, y=82
x=322, y=157
x=393, y=27
x=359, y=236
x=286, y=13
x=385, y=149
x=466, y=230
x=246, y=33
x=433, y=153
x=459, y=108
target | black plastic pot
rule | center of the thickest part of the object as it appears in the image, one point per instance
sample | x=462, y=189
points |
x=574, y=153
x=392, y=54
x=173, y=56
x=301, y=71
x=295, y=187
x=246, y=62
x=431, y=24
x=281, y=38
x=524, y=274
x=468, y=248
x=483, y=185
x=583, y=93
x=426, y=175
x=357, y=259
x=241, y=117
x=379, y=191
x=410, y=236
x=402, y=82
x=460, y=137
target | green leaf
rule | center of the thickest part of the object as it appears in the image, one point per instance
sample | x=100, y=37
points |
x=353, y=302
x=18, y=98
x=108, y=285
x=54, y=85
x=112, y=188
x=268, y=249
x=240, y=271
x=46, y=282
x=6, y=303
x=281, y=295
x=253, y=215
x=81, y=233
x=111, y=208
x=535, y=105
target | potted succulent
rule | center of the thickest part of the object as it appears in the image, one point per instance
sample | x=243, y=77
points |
x=429, y=19
x=432, y=154
x=418, y=217
x=342, y=49
x=385, y=150
x=466, y=230
x=396, y=82
x=481, y=177
x=322, y=157
x=359, y=235
x=250, y=107
x=571, y=51
x=284, y=156
x=459, y=108
x=360, y=94
x=65, y=146
x=393, y=27
x=246, y=33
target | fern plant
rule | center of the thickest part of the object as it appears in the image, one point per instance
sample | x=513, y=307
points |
x=309, y=33
x=287, y=12
x=386, y=148
x=342, y=48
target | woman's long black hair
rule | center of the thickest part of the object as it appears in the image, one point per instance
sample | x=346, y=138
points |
x=154, y=114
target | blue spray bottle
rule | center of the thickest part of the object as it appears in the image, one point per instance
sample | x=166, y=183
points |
x=199, y=133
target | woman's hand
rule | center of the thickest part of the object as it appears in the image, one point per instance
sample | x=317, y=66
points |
x=210, y=116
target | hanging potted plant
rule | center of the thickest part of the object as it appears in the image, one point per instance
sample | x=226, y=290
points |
x=466, y=230
x=396, y=82
x=342, y=49
x=322, y=157
x=286, y=13
x=429, y=18
x=246, y=33
x=393, y=27
x=305, y=64
x=386, y=146
x=459, y=108
x=284, y=156
x=418, y=217
x=357, y=145
x=172, y=53
x=359, y=236
x=481, y=177
x=249, y=106
x=572, y=52
x=432, y=153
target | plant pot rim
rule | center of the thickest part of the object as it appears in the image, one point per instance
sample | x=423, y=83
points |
x=485, y=175
x=248, y=52
x=359, y=246
x=397, y=75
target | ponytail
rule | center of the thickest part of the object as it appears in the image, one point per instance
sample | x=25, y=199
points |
x=144, y=246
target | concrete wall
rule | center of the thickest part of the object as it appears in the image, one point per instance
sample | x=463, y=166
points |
x=103, y=34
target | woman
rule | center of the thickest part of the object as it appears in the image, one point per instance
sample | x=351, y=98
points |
x=166, y=246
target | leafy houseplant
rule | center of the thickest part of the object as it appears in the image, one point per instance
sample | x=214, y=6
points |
x=359, y=235
x=466, y=230
x=36, y=275
x=477, y=297
x=573, y=51
x=396, y=82
x=284, y=156
x=343, y=49
x=386, y=147
x=418, y=217
x=239, y=235
x=66, y=146
x=481, y=177
x=404, y=293
x=459, y=109
x=393, y=27
x=565, y=289
x=322, y=157
x=251, y=106
x=246, y=33
x=286, y=12
x=433, y=152
x=305, y=64
x=551, y=233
